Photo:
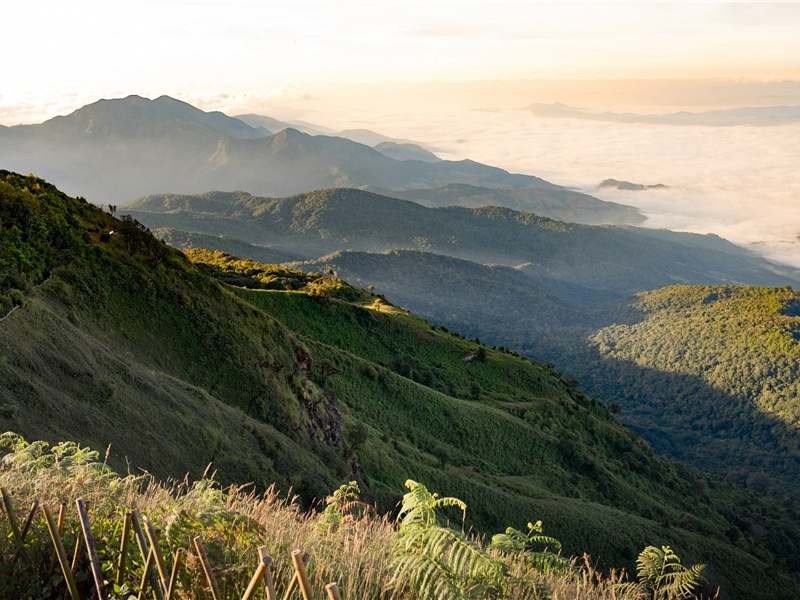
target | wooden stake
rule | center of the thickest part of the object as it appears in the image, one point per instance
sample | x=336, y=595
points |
x=293, y=582
x=152, y=535
x=263, y=565
x=333, y=591
x=123, y=550
x=212, y=581
x=91, y=548
x=148, y=571
x=269, y=585
x=12, y=518
x=298, y=560
x=76, y=554
x=28, y=521
x=61, y=511
x=62, y=554
x=136, y=522
x=173, y=580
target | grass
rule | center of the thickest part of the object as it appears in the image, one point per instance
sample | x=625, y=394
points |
x=358, y=550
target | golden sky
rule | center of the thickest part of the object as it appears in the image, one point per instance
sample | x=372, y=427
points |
x=65, y=54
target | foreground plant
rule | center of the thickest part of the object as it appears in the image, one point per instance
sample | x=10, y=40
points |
x=662, y=576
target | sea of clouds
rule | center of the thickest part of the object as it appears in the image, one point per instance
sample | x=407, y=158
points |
x=737, y=181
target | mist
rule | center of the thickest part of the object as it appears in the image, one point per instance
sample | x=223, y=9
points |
x=738, y=181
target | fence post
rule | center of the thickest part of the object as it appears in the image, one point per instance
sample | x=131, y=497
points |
x=333, y=591
x=123, y=551
x=302, y=575
x=62, y=554
x=212, y=581
x=94, y=560
x=12, y=519
x=136, y=521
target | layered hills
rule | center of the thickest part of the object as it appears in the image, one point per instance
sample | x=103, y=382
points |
x=302, y=379
x=113, y=151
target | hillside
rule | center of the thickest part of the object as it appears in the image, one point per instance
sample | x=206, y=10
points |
x=130, y=344
x=560, y=204
x=611, y=260
x=737, y=348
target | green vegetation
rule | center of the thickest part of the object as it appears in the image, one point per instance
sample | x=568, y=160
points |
x=734, y=347
x=661, y=575
x=130, y=344
x=369, y=556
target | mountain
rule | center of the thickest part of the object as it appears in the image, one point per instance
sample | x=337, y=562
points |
x=557, y=203
x=612, y=260
x=758, y=116
x=627, y=186
x=115, y=150
x=304, y=380
x=406, y=152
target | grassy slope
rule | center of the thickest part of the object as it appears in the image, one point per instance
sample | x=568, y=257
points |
x=141, y=349
x=505, y=435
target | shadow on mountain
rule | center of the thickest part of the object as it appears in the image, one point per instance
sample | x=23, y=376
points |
x=685, y=418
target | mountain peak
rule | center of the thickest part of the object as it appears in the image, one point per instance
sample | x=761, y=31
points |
x=138, y=116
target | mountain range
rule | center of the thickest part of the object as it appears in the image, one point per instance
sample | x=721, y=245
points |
x=113, y=151
x=275, y=375
x=758, y=116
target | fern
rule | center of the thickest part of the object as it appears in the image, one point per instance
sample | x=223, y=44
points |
x=662, y=576
x=440, y=563
x=519, y=545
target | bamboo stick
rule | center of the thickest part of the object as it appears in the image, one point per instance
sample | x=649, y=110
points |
x=12, y=519
x=28, y=521
x=76, y=554
x=62, y=554
x=148, y=571
x=333, y=591
x=152, y=535
x=263, y=565
x=61, y=511
x=269, y=584
x=136, y=522
x=294, y=581
x=123, y=550
x=173, y=580
x=212, y=581
x=91, y=548
x=299, y=562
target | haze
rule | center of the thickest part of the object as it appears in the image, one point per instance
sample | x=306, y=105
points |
x=457, y=78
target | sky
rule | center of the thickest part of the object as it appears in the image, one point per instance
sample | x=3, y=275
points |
x=457, y=77
x=65, y=54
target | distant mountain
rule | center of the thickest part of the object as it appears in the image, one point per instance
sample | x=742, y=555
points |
x=406, y=152
x=616, y=260
x=627, y=186
x=185, y=240
x=276, y=125
x=115, y=150
x=557, y=203
x=759, y=116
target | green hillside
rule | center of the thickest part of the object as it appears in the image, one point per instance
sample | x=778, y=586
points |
x=618, y=260
x=119, y=339
x=734, y=347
